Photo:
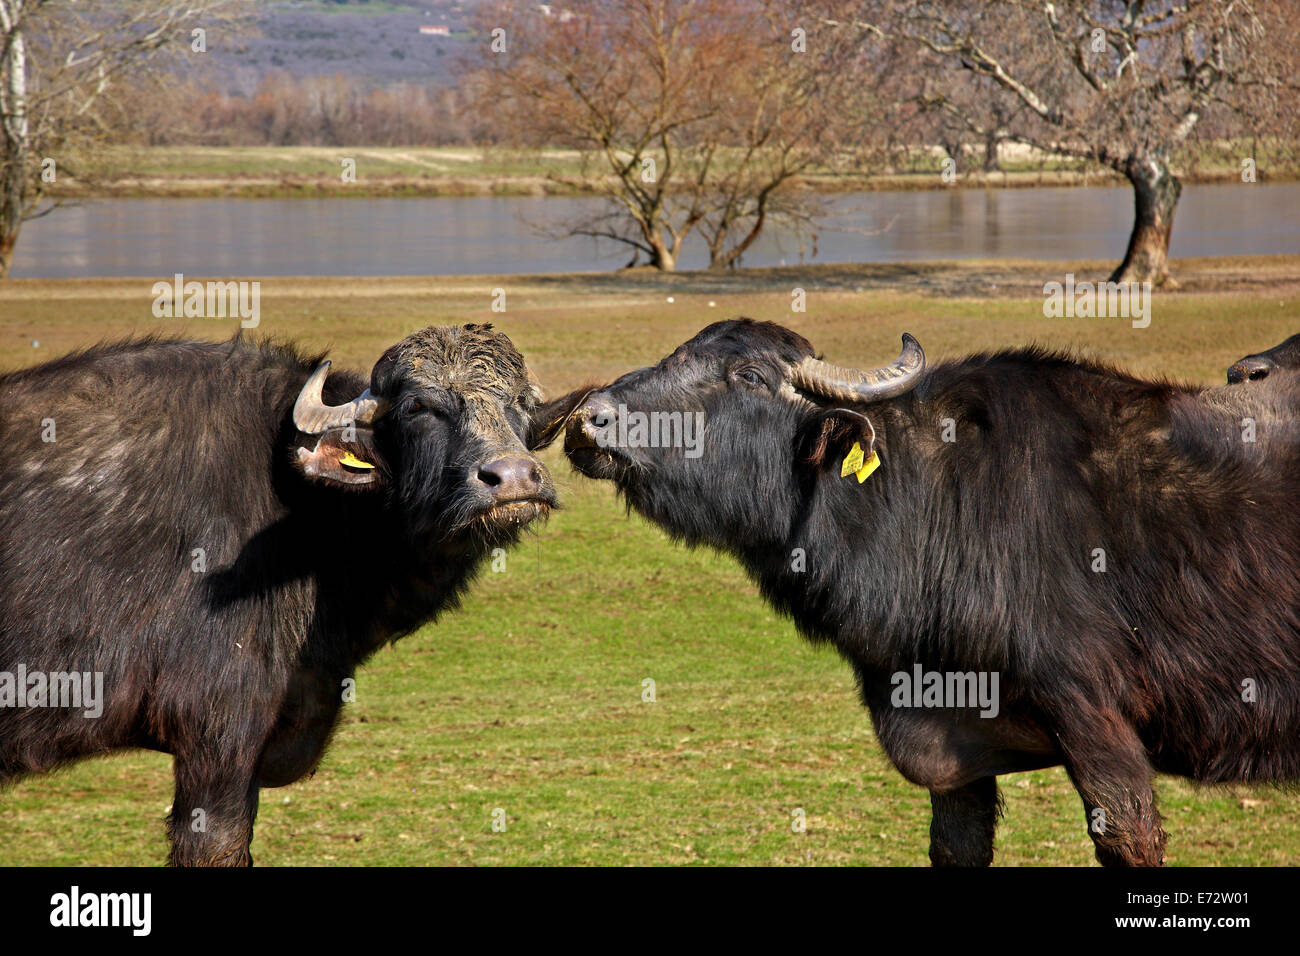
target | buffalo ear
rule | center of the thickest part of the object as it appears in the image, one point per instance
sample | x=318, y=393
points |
x=825, y=439
x=547, y=420
x=343, y=457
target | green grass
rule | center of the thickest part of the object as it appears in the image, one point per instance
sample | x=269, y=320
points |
x=530, y=698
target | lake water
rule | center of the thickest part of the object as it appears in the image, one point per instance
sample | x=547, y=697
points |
x=271, y=237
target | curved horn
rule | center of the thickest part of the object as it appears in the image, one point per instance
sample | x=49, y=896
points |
x=855, y=385
x=312, y=416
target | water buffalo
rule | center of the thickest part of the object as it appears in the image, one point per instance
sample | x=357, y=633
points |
x=200, y=542
x=1254, y=367
x=1028, y=559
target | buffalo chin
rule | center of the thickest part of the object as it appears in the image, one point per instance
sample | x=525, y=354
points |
x=501, y=523
x=596, y=463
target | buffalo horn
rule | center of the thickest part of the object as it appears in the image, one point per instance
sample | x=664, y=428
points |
x=855, y=385
x=312, y=416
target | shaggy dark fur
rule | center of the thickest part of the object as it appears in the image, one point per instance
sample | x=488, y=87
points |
x=977, y=554
x=170, y=539
x=1260, y=365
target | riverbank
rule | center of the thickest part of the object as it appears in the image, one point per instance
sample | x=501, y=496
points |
x=280, y=172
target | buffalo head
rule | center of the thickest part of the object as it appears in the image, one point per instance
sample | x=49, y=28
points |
x=445, y=432
x=696, y=441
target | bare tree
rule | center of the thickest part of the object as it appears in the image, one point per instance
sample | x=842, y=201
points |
x=1121, y=84
x=690, y=115
x=961, y=114
x=60, y=63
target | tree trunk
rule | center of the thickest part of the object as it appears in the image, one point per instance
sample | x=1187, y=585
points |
x=953, y=149
x=718, y=258
x=661, y=257
x=991, y=164
x=7, y=242
x=1156, y=190
x=14, y=143
x=722, y=258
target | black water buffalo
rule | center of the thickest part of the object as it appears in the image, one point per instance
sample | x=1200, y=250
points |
x=1254, y=367
x=200, y=542
x=1028, y=559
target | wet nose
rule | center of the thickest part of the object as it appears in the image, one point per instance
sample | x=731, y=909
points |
x=511, y=477
x=1252, y=367
x=589, y=422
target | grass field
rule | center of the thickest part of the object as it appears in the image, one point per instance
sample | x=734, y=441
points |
x=530, y=699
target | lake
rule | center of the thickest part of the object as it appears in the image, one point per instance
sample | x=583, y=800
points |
x=500, y=235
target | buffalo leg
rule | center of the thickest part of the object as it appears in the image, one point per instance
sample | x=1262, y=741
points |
x=963, y=823
x=1111, y=771
x=211, y=822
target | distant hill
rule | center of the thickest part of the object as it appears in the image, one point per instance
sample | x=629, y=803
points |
x=377, y=40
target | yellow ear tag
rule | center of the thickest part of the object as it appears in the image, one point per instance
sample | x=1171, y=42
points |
x=872, y=464
x=852, y=461
x=352, y=461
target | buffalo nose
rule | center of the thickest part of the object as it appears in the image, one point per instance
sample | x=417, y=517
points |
x=511, y=477
x=1253, y=367
x=588, y=424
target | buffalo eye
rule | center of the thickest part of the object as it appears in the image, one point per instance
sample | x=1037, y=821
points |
x=412, y=406
x=749, y=377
